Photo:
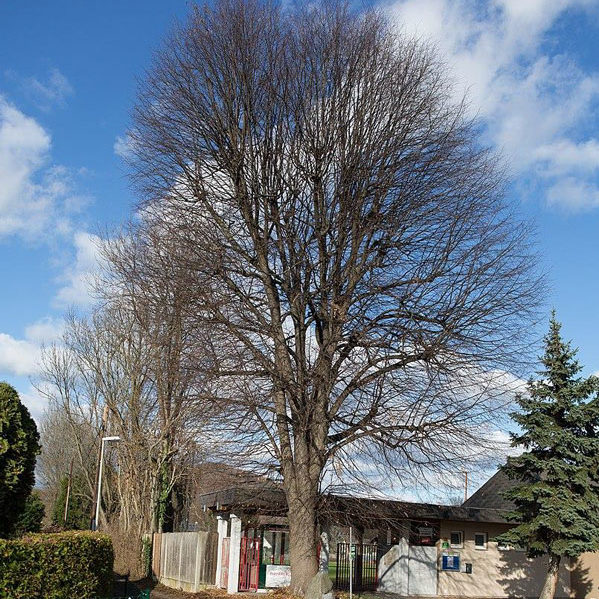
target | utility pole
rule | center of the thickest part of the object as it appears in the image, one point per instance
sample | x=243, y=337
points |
x=66, y=502
x=465, y=485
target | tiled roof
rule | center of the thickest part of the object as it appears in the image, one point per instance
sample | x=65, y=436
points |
x=490, y=495
x=269, y=498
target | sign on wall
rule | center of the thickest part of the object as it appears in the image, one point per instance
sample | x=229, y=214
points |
x=277, y=576
x=451, y=563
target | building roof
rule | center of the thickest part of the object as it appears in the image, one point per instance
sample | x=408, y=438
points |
x=267, y=498
x=490, y=495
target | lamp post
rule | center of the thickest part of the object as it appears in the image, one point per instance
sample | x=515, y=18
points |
x=99, y=496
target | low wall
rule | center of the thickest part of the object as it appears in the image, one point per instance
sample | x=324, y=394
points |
x=185, y=560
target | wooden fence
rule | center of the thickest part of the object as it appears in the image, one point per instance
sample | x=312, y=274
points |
x=185, y=560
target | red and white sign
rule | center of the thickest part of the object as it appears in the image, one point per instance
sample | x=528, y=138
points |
x=278, y=576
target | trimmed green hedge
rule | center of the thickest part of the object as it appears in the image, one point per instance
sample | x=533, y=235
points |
x=66, y=565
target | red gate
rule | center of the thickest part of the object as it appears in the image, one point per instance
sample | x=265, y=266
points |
x=224, y=563
x=249, y=564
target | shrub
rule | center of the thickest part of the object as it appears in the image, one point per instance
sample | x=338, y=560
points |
x=56, y=566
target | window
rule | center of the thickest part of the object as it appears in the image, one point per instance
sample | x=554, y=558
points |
x=480, y=540
x=275, y=547
x=456, y=539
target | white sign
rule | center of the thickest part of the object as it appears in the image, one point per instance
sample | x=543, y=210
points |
x=278, y=576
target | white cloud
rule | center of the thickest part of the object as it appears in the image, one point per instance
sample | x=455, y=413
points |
x=52, y=90
x=37, y=197
x=45, y=330
x=536, y=105
x=123, y=146
x=35, y=403
x=21, y=357
x=18, y=356
x=78, y=278
x=573, y=193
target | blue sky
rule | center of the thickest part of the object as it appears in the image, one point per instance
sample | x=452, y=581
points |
x=67, y=82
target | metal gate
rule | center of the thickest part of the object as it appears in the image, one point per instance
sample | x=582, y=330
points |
x=249, y=564
x=364, y=567
x=224, y=563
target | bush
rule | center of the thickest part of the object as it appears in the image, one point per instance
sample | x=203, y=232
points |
x=56, y=566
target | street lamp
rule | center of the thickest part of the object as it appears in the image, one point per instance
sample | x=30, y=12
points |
x=98, y=498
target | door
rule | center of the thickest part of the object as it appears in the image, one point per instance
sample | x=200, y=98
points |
x=249, y=564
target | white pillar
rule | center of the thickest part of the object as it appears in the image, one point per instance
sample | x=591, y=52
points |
x=234, y=554
x=323, y=565
x=222, y=533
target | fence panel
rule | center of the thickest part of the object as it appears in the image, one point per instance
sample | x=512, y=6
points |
x=188, y=560
x=364, y=567
x=156, y=547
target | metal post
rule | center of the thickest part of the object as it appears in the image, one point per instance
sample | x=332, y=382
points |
x=351, y=573
x=94, y=523
x=66, y=502
x=99, y=496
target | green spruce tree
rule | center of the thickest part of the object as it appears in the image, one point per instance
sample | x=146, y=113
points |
x=79, y=505
x=30, y=519
x=557, y=476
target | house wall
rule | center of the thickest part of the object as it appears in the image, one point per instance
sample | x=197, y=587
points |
x=585, y=577
x=495, y=572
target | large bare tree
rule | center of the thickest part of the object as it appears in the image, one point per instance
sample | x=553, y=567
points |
x=360, y=280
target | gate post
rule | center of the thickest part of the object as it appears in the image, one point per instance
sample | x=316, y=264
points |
x=323, y=562
x=234, y=554
x=222, y=533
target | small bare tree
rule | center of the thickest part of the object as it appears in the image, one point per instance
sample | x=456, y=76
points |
x=359, y=279
x=107, y=363
x=146, y=279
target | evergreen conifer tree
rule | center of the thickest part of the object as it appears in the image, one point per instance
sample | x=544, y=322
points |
x=79, y=505
x=557, y=476
x=19, y=446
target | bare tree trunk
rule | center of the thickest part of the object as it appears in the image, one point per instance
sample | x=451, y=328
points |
x=550, y=585
x=302, y=534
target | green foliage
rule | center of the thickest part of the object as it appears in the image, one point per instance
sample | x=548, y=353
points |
x=19, y=446
x=147, y=554
x=56, y=566
x=30, y=519
x=557, y=490
x=78, y=516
